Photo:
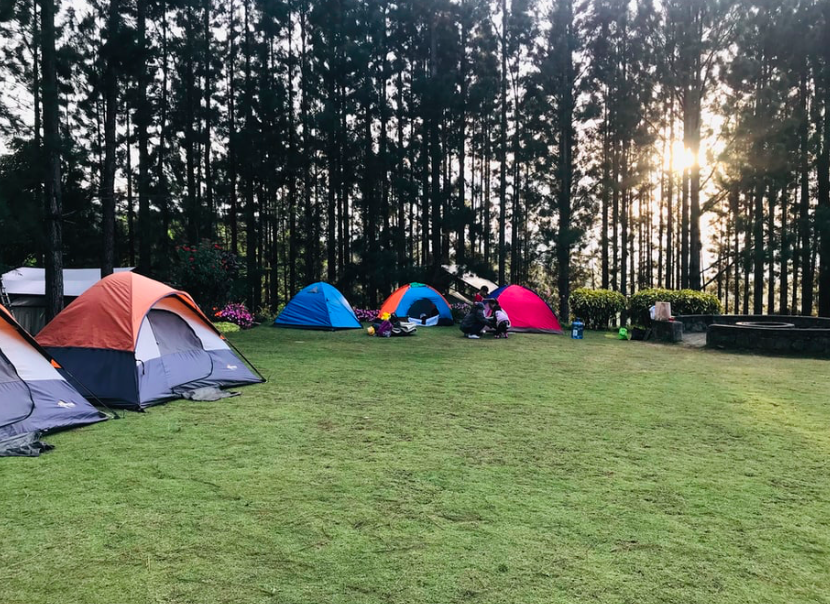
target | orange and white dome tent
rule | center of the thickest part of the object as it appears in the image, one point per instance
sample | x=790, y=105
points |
x=134, y=342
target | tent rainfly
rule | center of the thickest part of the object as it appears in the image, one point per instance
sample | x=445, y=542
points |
x=134, y=342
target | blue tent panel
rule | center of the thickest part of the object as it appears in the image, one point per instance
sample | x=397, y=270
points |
x=318, y=306
x=423, y=292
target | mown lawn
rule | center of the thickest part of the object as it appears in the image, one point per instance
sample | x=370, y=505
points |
x=437, y=469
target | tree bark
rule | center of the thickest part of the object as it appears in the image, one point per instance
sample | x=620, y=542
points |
x=107, y=194
x=207, y=95
x=142, y=124
x=52, y=152
x=758, y=243
x=784, y=286
x=503, y=149
x=804, y=201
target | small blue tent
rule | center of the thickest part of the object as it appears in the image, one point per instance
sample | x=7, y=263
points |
x=318, y=306
x=420, y=303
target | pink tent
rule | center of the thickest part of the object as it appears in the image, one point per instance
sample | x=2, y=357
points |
x=527, y=311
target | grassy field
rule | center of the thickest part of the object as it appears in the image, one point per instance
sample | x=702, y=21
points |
x=436, y=469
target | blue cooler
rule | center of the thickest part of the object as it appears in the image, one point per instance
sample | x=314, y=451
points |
x=577, y=328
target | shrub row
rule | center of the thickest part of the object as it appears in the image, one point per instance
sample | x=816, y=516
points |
x=596, y=307
x=683, y=302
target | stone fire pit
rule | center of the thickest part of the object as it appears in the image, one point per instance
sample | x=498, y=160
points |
x=762, y=333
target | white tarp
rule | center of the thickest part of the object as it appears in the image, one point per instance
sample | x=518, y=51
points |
x=469, y=278
x=28, y=281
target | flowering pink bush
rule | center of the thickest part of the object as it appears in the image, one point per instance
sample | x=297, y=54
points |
x=206, y=272
x=459, y=310
x=237, y=314
x=365, y=315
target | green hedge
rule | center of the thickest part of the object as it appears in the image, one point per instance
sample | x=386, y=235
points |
x=596, y=307
x=683, y=302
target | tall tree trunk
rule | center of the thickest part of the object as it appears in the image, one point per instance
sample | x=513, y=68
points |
x=435, y=112
x=207, y=95
x=36, y=83
x=192, y=218
x=488, y=158
x=251, y=237
x=130, y=202
x=565, y=158
x=383, y=151
x=52, y=152
x=292, y=164
x=331, y=146
x=759, y=256
x=804, y=201
x=503, y=148
x=784, y=287
x=233, y=209
x=516, y=213
x=142, y=124
x=735, y=205
x=624, y=199
x=111, y=109
x=163, y=192
x=693, y=142
x=308, y=210
x=684, y=230
x=400, y=241
x=771, y=252
x=615, y=214
x=462, y=145
x=606, y=186
x=748, y=238
x=822, y=84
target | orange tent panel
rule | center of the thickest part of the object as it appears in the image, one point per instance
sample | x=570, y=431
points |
x=109, y=314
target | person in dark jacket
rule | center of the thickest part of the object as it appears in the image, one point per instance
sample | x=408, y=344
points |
x=474, y=321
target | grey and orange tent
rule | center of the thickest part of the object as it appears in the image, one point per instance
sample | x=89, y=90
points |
x=134, y=342
x=34, y=397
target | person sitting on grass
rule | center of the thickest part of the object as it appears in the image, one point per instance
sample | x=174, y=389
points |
x=499, y=318
x=474, y=321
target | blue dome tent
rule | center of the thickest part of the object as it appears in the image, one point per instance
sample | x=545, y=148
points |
x=318, y=306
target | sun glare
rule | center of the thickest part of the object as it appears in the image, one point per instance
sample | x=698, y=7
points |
x=679, y=158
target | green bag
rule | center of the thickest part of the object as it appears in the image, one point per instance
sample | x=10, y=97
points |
x=623, y=334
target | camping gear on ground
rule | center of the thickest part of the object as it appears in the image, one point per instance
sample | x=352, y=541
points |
x=384, y=329
x=24, y=445
x=34, y=397
x=208, y=393
x=622, y=334
x=639, y=334
x=527, y=311
x=403, y=328
x=577, y=330
x=420, y=303
x=134, y=342
x=387, y=325
x=26, y=290
x=318, y=306
x=662, y=311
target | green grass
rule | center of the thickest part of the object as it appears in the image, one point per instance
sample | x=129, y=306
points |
x=436, y=469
